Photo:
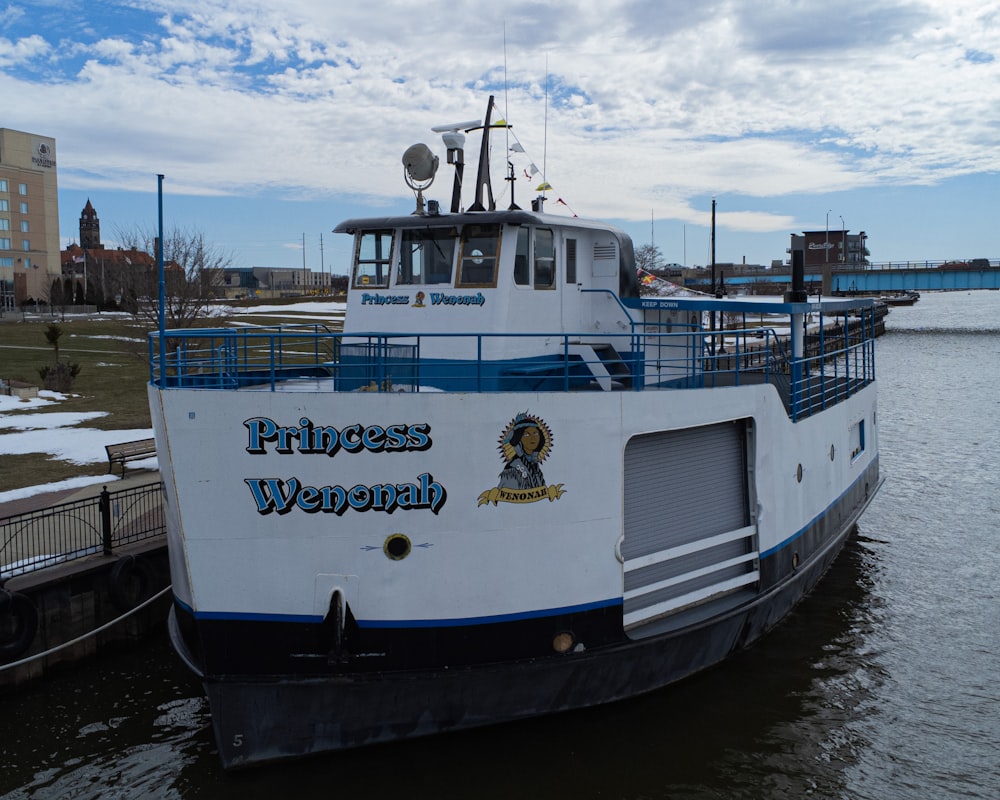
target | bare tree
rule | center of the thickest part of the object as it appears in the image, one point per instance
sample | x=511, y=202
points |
x=649, y=257
x=193, y=274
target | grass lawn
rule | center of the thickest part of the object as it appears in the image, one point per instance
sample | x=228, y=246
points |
x=111, y=353
x=114, y=371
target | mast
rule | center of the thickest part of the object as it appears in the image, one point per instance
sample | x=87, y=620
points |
x=483, y=174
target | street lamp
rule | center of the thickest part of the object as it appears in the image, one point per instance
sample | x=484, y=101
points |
x=826, y=258
x=827, y=247
x=843, y=242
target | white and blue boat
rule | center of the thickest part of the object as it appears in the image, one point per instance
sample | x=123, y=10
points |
x=511, y=486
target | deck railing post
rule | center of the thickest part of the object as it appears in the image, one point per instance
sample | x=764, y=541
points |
x=104, y=506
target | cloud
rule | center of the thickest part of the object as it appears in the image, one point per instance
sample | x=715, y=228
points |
x=647, y=100
x=21, y=50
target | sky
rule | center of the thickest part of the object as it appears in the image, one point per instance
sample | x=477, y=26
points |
x=272, y=121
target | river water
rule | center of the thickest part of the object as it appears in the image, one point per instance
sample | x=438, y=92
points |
x=884, y=684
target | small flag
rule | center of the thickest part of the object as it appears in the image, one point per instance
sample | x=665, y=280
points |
x=544, y=187
x=563, y=202
x=79, y=259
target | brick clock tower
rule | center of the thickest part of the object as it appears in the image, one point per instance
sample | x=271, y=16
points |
x=90, y=229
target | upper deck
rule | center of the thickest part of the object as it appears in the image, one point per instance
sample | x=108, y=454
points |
x=487, y=300
x=815, y=354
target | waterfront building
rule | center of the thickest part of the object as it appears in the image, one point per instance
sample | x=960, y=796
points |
x=830, y=247
x=29, y=217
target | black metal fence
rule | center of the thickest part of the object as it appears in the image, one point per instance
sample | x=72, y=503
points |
x=39, y=539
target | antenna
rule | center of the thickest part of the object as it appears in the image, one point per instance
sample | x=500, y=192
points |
x=511, y=178
x=539, y=202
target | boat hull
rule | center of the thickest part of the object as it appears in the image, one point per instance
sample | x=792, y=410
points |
x=671, y=529
x=267, y=718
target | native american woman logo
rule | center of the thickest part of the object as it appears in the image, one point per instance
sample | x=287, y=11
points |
x=524, y=444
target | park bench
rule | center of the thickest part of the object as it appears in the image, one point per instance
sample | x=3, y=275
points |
x=121, y=454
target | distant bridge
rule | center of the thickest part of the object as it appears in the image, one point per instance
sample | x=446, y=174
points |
x=878, y=278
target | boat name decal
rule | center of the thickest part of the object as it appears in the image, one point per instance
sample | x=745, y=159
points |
x=384, y=299
x=309, y=438
x=524, y=444
x=436, y=299
x=441, y=299
x=281, y=496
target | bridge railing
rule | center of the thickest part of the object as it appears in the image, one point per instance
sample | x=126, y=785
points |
x=956, y=263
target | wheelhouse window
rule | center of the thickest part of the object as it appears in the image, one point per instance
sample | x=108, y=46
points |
x=522, y=258
x=480, y=250
x=545, y=259
x=426, y=256
x=535, y=258
x=372, y=258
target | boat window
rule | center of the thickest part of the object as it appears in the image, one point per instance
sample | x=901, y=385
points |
x=480, y=249
x=521, y=271
x=372, y=253
x=426, y=256
x=545, y=259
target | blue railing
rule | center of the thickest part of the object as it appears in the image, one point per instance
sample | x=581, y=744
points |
x=838, y=360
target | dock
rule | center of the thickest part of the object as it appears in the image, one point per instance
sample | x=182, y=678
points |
x=80, y=570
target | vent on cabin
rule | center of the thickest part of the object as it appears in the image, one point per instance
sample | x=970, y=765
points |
x=605, y=260
x=604, y=252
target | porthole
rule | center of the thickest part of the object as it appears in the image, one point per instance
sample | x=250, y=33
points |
x=798, y=474
x=832, y=452
x=397, y=547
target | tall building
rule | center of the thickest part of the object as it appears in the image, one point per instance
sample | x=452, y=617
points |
x=29, y=217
